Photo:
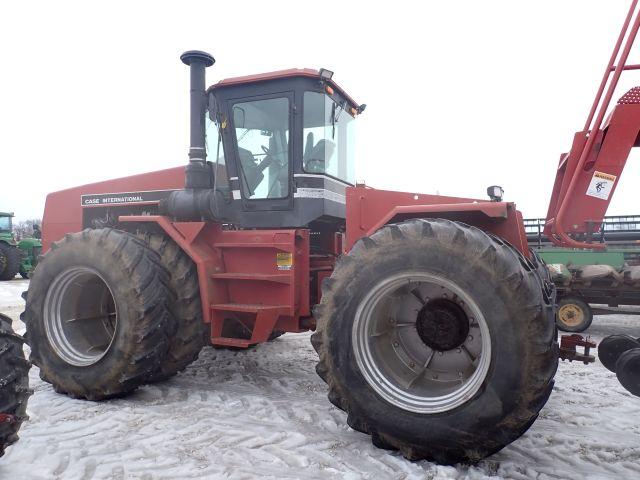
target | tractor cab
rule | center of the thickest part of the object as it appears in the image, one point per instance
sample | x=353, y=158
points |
x=281, y=142
x=6, y=227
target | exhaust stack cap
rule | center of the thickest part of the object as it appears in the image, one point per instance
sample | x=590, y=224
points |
x=197, y=55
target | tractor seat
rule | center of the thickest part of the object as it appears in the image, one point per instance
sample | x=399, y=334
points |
x=316, y=158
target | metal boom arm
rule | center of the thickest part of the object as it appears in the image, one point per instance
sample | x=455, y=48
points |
x=587, y=176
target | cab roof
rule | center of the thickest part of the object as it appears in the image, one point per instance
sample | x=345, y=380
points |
x=280, y=75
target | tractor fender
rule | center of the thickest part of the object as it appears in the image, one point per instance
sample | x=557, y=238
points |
x=369, y=209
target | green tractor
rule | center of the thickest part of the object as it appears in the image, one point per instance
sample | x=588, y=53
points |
x=17, y=257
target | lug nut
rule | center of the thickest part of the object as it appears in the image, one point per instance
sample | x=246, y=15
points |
x=396, y=344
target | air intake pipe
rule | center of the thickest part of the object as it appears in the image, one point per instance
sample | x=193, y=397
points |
x=197, y=200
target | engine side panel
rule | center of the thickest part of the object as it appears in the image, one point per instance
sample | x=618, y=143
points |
x=65, y=210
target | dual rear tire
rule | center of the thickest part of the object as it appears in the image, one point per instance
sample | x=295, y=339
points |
x=105, y=315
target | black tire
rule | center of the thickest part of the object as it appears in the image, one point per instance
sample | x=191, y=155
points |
x=573, y=315
x=548, y=287
x=14, y=383
x=524, y=350
x=628, y=371
x=612, y=347
x=114, y=270
x=192, y=334
x=12, y=262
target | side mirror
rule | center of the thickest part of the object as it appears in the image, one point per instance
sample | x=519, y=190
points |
x=211, y=107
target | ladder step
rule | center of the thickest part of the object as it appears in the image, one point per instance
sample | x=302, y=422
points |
x=258, y=277
x=277, y=246
x=231, y=342
x=247, y=308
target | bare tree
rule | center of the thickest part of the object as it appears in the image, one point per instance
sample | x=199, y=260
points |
x=25, y=228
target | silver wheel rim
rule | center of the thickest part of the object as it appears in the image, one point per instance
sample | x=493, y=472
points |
x=389, y=343
x=80, y=316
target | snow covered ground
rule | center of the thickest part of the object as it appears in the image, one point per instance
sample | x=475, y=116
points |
x=264, y=413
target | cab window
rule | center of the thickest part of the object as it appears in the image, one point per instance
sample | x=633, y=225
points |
x=328, y=137
x=262, y=134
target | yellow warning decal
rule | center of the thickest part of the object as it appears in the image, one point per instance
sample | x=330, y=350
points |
x=284, y=260
x=601, y=185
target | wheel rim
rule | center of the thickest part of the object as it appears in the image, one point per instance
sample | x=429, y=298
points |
x=571, y=315
x=80, y=316
x=421, y=342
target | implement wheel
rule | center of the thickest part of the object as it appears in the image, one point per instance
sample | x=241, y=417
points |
x=573, y=315
x=612, y=347
x=628, y=370
x=437, y=340
x=97, y=318
x=14, y=384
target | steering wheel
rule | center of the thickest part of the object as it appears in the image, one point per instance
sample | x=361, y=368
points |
x=269, y=159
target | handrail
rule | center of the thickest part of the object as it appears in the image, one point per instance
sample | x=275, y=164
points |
x=611, y=67
x=592, y=129
x=627, y=67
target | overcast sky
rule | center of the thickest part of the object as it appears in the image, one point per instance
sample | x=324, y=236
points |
x=460, y=94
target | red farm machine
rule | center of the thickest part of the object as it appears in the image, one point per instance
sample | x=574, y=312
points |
x=434, y=323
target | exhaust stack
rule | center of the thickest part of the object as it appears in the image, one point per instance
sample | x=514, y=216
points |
x=197, y=173
x=197, y=201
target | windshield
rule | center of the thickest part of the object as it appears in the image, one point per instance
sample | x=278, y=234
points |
x=329, y=138
x=5, y=224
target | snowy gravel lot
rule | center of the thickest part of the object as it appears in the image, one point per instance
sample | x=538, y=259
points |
x=264, y=413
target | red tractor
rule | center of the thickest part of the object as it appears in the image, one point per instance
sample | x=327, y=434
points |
x=434, y=323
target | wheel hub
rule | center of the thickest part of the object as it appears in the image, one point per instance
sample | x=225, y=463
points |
x=570, y=315
x=421, y=342
x=80, y=316
x=442, y=325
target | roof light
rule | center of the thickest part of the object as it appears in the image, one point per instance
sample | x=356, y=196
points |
x=325, y=74
x=495, y=193
x=329, y=90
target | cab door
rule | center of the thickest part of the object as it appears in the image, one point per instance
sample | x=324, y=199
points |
x=262, y=129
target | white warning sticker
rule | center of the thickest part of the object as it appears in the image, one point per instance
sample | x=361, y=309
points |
x=601, y=185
